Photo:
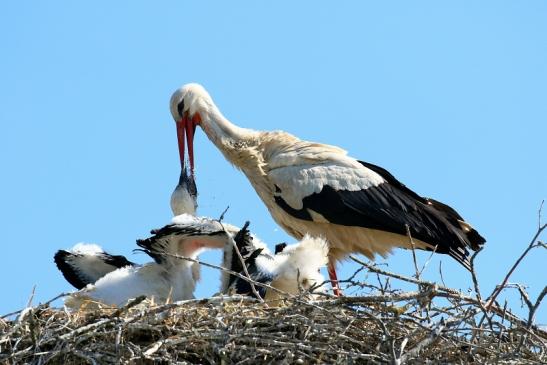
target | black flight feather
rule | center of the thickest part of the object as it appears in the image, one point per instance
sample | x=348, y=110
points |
x=71, y=266
x=390, y=206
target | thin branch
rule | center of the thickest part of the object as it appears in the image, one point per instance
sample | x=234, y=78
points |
x=500, y=287
x=31, y=298
x=426, y=263
x=539, y=213
x=223, y=213
x=45, y=304
x=535, y=307
x=242, y=261
x=433, y=336
x=401, y=277
x=411, y=241
x=450, y=293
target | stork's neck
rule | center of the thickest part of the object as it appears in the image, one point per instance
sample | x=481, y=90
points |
x=224, y=134
x=240, y=146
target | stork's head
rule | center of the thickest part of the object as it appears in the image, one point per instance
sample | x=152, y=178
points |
x=188, y=104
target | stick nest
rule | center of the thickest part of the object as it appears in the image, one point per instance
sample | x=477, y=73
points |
x=391, y=327
x=375, y=324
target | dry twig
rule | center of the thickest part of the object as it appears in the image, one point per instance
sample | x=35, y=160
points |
x=380, y=325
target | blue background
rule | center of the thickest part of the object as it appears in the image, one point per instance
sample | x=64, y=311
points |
x=451, y=97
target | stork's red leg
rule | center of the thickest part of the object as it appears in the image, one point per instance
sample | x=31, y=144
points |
x=334, y=279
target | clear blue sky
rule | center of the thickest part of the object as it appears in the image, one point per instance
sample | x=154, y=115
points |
x=450, y=96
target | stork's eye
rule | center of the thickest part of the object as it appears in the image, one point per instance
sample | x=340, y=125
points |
x=180, y=108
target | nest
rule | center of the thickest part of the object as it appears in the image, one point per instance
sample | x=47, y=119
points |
x=433, y=324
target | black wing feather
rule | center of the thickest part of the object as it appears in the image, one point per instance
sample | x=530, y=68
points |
x=473, y=237
x=390, y=206
x=69, y=272
x=243, y=241
x=243, y=287
x=68, y=263
x=156, y=245
x=280, y=247
x=386, y=175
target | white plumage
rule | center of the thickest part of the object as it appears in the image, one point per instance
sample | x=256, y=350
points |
x=297, y=268
x=184, y=197
x=152, y=280
x=294, y=270
x=105, y=279
x=318, y=189
x=113, y=280
x=168, y=278
x=91, y=260
x=86, y=263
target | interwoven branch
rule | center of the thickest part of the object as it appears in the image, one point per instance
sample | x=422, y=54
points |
x=379, y=324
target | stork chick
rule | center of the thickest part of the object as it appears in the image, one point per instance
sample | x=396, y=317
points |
x=184, y=199
x=86, y=263
x=295, y=269
x=168, y=278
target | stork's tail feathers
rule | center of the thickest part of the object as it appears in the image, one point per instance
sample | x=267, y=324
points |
x=474, y=240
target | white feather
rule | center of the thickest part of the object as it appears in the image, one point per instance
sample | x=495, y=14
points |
x=173, y=279
x=87, y=248
x=151, y=280
x=297, y=267
x=302, y=263
x=182, y=202
x=299, y=181
x=89, y=262
x=278, y=164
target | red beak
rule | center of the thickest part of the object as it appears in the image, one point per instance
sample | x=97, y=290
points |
x=187, y=127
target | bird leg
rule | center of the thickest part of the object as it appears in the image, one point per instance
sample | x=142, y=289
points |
x=334, y=279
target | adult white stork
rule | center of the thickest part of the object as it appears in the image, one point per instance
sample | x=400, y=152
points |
x=318, y=189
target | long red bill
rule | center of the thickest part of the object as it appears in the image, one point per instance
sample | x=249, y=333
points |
x=181, y=126
x=190, y=131
x=190, y=128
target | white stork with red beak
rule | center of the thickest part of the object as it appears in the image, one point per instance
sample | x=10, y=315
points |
x=317, y=189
